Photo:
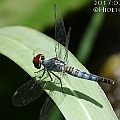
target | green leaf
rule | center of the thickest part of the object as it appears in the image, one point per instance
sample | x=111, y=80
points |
x=84, y=99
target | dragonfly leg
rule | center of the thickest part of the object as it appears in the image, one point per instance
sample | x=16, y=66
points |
x=37, y=75
x=43, y=73
x=40, y=76
x=50, y=76
x=59, y=80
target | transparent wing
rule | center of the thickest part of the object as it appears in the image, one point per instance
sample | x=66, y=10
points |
x=66, y=46
x=60, y=35
x=47, y=108
x=27, y=93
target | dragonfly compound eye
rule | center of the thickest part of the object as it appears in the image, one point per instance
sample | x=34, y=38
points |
x=37, y=61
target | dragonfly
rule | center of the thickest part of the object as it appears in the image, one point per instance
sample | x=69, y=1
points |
x=31, y=90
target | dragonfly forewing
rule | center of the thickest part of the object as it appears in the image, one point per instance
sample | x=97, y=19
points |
x=27, y=93
x=60, y=35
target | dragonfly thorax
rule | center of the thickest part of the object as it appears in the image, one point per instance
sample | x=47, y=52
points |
x=54, y=64
x=37, y=60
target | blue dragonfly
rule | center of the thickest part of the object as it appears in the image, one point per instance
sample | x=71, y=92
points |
x=31, y=90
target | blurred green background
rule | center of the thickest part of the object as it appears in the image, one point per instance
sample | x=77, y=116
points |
x=95, y=40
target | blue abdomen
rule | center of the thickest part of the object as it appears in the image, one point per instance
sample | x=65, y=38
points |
x=88, y=76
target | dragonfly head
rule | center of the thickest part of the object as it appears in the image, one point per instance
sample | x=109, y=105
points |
x=37, y=60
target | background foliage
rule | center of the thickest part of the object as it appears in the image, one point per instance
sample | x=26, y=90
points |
x=39, y=15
